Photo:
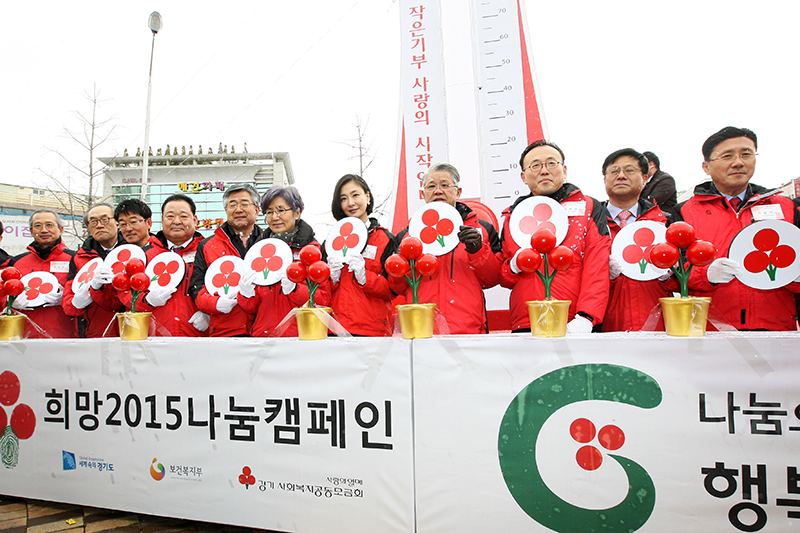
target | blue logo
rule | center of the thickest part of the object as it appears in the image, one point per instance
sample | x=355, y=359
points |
x=69, y=460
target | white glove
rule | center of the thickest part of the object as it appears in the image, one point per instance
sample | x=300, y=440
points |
x=335, y=264
x=200, y=321
x=614, y=268
x=21, y=303
x=52, y=299
x=579, y=325
x=513, y=263
x=159, y=296
x=722, y=270
x=226, y=302
x=82, y=299
x=358, y=266
x=247, y=284
x=665, y=276
x=103, y=275
x=287, y=286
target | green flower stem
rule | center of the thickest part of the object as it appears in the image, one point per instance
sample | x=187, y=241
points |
x=312, y=290
x=682, y=273
x=134, y=298
x=547, y=278
x=413, y=282
x=9, y=304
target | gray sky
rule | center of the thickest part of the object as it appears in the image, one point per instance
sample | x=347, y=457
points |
x=294, y=76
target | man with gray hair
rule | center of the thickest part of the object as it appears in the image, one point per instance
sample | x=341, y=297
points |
x=457, y=288
x=45, y=254
x=234, y=237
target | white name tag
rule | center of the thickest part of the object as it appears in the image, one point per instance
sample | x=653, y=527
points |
x=767, y=212
x=59, y=266
x=369, y=251
x=575, y=209
x=188, y=257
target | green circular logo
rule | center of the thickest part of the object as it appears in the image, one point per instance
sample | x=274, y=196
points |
x=520, y=429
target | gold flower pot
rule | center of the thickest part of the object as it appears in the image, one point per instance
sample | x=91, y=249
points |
x=133, y=326
x=416, y=320
x=548, y=317
x=12, y=327
x=685, y=317
x=312, y=322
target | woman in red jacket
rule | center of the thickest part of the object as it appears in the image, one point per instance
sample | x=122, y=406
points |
x=361, y=295
x=282, y=207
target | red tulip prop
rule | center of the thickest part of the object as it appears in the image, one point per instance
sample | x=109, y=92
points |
x=681, y=252
x=412, y=264
x=133, y=279
x=310, y=269
x=11, y=286
x=543, y=249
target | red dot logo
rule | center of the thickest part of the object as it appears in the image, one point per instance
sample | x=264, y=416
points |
x=609, y=437
x=246, y=478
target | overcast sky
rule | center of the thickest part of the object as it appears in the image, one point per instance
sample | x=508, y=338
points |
x=294, y=76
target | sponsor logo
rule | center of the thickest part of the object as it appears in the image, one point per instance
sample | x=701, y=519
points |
x=19, y=426
x=247, y=478
x=525, y=418
x=157, y=471
x=68, y=459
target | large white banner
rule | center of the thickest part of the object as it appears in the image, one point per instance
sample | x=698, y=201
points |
x=637, y=432
x=273, y=434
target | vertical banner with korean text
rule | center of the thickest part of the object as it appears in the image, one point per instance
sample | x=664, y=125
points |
x=424, y=126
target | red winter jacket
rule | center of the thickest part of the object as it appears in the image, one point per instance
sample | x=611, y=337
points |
x=585, y=283
x=225, y=241
x=457, y=288
x=715, y=221
x=95, y=318
x=175, y=314
x=270, y=306
x=52, y=319
x=630, y=301
x=367, y=309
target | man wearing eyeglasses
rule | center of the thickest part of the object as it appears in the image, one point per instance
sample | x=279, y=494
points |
x=586, y=282
x=46, y=254
x=630, y=301
x=93, y=320
x=234, y=237
x=722, y=207
x=457, y=288
x=174, y=309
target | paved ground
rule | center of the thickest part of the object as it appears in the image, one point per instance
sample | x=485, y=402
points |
x=19, y=515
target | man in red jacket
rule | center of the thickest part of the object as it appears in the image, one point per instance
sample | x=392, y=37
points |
x=234, y=237
x=722, y=207
x=46, y=254
x=457, y=288
x=174, y=309
x=93, y=320
x=586, y=282
x=630, y=301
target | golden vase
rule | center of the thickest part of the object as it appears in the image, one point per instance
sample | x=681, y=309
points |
x=12, y=327
x=133, y=326
x=312, y=322
x=548, y=317
x=416, y=320
x=685, y=317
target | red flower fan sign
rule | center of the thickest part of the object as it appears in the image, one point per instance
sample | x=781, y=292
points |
x=347, y=236
x=268, y=258
x=118, y=258
x=166, y=270
x=631, y=248
x=767, y=253
x=224, y=274
x=37, y=285
x=534, y=213
x=436, y=225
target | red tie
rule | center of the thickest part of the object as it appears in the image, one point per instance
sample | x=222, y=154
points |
x=623, y=218
x=735, y=203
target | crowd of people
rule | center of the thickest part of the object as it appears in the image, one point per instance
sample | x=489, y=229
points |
x=362, y=295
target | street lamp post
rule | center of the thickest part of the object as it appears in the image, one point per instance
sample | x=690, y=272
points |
x=154, y=22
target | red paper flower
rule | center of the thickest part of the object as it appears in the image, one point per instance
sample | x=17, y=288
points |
x=769, y=254
x=164, y=271
x=88, y=275
x=346, y=238
x=226, y=278
x=36, y=287
x=122, y=259
x=435, y=229
x=540, y=219
x=268, y=262
x=640, y=251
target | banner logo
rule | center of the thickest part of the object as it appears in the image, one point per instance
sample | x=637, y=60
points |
x=520, y=429
x=68, y=460
x=157, y=471
x=246, y=478
x=21, y=424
